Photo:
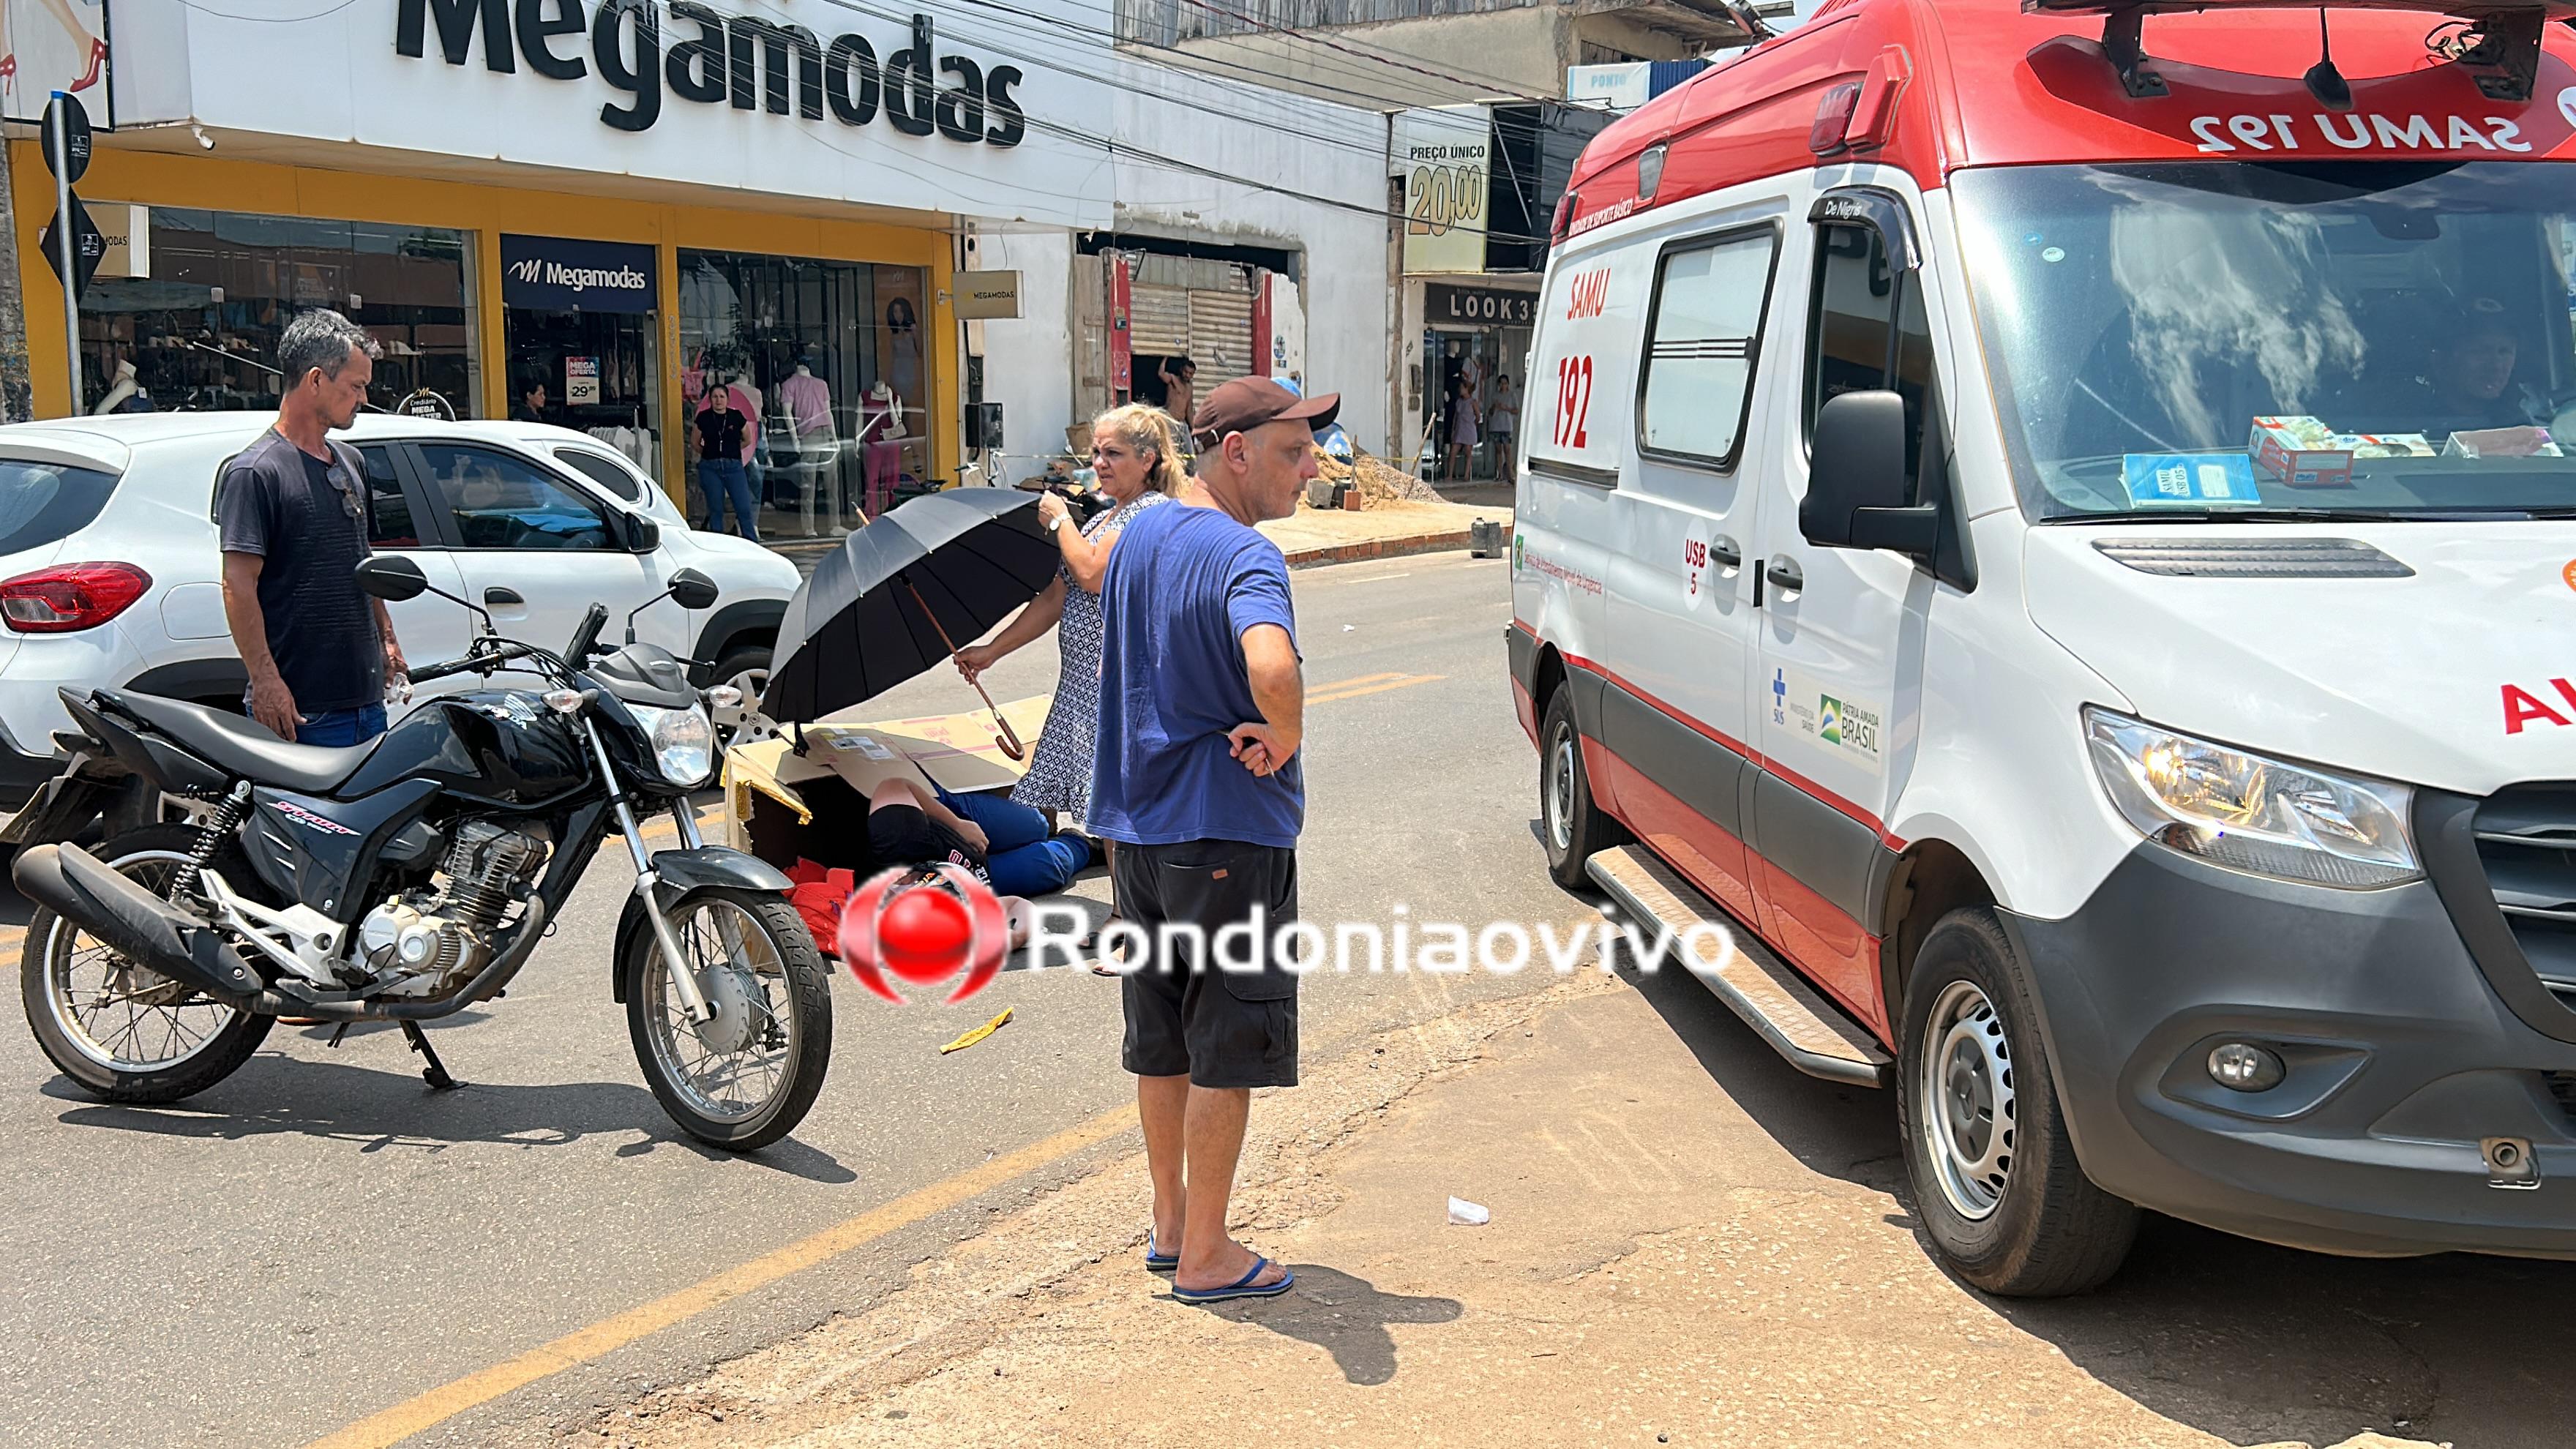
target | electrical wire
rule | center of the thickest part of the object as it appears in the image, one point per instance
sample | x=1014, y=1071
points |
x=1398, y=59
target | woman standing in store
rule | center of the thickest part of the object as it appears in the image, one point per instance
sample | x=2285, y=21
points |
x=1136, y=450
x=723, y=427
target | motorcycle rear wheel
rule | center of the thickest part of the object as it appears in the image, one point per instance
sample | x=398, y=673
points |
x=124, y=1033
x=744, y=1079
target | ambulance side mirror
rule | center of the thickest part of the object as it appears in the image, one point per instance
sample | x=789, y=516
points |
x=1856, y=480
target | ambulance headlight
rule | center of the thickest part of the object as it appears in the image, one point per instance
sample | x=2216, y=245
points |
x=2252, y=813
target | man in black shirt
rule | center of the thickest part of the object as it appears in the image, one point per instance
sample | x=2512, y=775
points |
x=293, y=514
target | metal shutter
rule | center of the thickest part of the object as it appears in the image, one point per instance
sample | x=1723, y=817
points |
x=1158, y=320
x=1221, y=335
x=1091, y=336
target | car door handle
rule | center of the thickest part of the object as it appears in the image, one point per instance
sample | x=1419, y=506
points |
x=1723, y=549
x=1785, y=575
x=499, y=597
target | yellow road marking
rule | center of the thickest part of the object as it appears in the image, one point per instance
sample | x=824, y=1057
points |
x=1398, y=682
x=1363, y=679
x=583, y=1345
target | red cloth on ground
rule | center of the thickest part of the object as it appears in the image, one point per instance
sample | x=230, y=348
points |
x=819, y=895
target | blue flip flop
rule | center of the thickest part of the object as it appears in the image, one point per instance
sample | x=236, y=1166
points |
x=1240, y=1288
x=1159, y=1262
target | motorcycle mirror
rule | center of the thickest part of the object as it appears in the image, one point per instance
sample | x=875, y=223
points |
x=693, y=590
x=391, y=578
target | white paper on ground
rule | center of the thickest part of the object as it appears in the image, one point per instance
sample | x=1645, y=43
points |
x=1467, y=1214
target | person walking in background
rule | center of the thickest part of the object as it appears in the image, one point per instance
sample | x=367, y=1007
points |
x=1180, y=386
x=1503, y=421
x=724, y=430
x=532, y=401
x=292, y=513
x=1196, y=775
x=1462, y=433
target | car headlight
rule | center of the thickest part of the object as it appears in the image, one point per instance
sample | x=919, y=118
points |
x=2252, y=813
x=684, y=742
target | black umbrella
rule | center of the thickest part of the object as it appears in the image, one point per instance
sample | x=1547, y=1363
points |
x=901, y=595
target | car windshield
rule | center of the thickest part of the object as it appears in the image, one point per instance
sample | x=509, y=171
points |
x=2221, y=340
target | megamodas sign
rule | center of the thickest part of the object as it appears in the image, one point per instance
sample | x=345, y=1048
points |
x=744, y=61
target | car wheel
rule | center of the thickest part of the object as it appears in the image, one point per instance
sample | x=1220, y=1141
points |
x=1996, y=1183
x=1573, y=827
x=745, y=668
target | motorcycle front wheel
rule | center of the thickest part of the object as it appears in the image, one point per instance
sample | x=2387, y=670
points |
x=744, y=1078
x=125, y=1033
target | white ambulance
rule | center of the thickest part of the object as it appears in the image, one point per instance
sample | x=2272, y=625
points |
x=2060, y=528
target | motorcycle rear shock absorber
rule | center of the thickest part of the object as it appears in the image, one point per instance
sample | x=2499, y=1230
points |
x=218, y=828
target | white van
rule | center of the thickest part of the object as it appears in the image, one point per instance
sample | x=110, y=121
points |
x=2060, y=540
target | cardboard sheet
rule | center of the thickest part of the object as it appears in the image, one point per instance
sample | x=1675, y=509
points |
x=957, y=752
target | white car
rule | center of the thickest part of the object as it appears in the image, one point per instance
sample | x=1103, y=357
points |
x=110, y=573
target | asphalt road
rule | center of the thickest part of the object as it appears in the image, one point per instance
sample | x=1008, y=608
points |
x=320, y=1240
x=319, y=1237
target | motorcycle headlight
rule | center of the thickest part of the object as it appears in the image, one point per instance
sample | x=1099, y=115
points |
x=684, y=742
x=2252, y=813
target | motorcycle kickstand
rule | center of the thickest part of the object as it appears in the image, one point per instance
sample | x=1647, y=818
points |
x=435, y=1073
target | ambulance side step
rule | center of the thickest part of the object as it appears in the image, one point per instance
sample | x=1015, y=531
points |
x=1799, y=1023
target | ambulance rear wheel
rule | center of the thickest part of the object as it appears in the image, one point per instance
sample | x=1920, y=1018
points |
x=1996, y=1184
x=1573, y=827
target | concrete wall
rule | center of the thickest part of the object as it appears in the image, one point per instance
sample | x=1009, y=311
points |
x=1501, y=54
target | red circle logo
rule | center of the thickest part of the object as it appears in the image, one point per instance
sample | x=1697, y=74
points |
x=924, y=931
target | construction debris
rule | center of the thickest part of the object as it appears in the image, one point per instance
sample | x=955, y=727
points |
x=1376, y=480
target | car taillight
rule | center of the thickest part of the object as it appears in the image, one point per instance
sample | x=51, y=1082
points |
x=1565, y=206
x=71, y=596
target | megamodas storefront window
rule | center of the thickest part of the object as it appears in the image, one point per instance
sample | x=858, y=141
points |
x=827, y=360
x=200, y=333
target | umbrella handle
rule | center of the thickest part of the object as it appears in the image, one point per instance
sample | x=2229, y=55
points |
x=1009, y=738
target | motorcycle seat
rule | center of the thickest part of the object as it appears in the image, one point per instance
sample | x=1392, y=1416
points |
x=243, y=747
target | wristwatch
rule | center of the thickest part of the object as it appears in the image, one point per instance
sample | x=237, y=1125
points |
x=1055, y=523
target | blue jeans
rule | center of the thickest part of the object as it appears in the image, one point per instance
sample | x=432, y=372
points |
x=342, y=727
x=724, y=478
x=1019, y=855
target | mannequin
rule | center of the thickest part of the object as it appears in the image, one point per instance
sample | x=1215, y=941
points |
x=880, y=423
x=118, y=391
x=805, y=417
x=755, y=459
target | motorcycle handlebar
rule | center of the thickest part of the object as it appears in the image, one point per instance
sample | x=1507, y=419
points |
x=482, y=660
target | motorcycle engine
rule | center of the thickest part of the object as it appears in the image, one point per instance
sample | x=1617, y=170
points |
x=439, y=934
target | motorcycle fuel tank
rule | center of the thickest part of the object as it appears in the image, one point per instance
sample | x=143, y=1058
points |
x=502, y=746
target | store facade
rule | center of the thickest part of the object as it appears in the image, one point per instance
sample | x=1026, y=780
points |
x=602, y=213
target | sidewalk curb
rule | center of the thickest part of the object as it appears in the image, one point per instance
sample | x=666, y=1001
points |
x=1378, y=548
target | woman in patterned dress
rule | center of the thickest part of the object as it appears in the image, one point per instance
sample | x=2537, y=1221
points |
x=1136, y=451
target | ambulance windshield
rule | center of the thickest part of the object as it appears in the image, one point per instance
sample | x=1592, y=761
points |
x=2370, y=339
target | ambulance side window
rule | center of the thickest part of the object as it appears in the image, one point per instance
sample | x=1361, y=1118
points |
x=1867, y=330
x=1702, y=344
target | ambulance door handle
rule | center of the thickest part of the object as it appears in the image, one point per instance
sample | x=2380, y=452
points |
x=1723, y=549
x=1785, y=575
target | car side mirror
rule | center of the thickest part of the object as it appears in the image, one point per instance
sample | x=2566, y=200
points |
x=1856, y=480
x=643, y=535
x=693, y=591
x=391, y=578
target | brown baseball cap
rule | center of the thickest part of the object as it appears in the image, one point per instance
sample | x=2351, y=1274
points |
x=1248, y=402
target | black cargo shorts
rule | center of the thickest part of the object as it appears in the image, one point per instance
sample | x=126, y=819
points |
x=1185, y=1015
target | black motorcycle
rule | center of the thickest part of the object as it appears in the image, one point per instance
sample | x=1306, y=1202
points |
x=409, y=878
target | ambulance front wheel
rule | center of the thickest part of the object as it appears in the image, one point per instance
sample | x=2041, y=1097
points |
x=1573, y=826
x=1996, y=1184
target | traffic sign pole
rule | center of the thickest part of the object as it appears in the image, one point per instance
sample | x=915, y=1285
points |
x=66, y=243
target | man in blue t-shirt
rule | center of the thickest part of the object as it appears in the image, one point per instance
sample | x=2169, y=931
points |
x=1195, y=772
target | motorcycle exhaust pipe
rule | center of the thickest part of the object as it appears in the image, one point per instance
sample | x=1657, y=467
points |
x=133, y=922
